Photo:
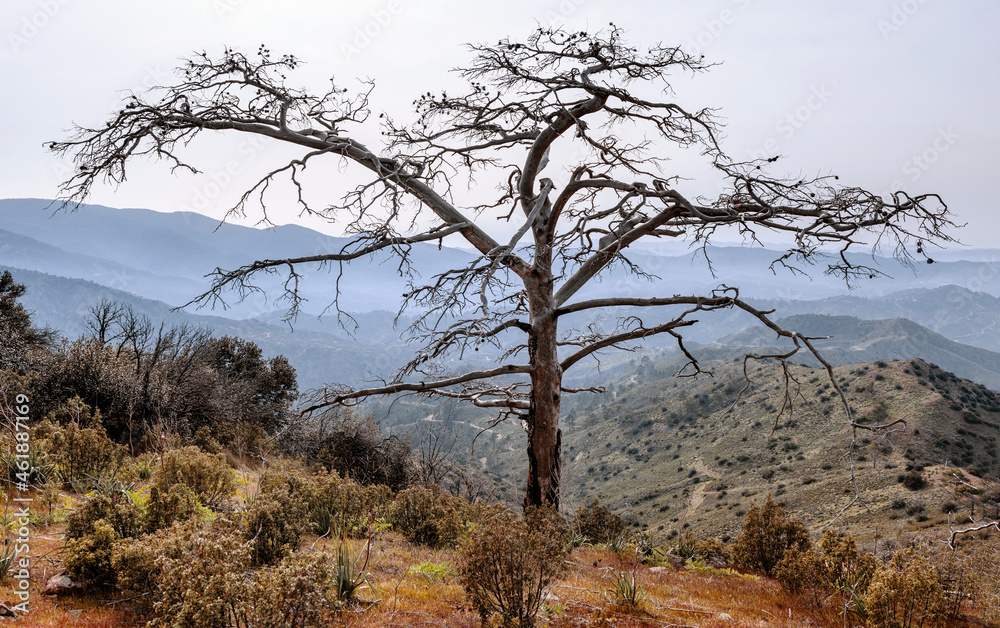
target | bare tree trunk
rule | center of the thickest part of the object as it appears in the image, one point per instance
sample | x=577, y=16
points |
x=544, y=436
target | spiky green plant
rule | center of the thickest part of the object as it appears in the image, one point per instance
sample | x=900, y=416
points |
x=625, y=589
x=350, y=575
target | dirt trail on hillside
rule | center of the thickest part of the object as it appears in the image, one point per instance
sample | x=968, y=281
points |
x=698, y=495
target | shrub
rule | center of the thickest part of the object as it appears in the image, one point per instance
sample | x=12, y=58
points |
x=841, y=570
x=913, y=480
x=134, y=562
x=352, y=446
x=209, y=476
x=297, y=593
x=712, y=551
x=199, y=579
x=88, y=558
x=906, y=595
x=204, y=440
x=847, y=570
x=279, y=515
x=342, y=506
x=507, y=564
x=686, y=546
x=164, y=508
x=599, y=524
x=767, y=534
x=800, y=570
x=75, y=442
x=116, y=510
x=430, y=516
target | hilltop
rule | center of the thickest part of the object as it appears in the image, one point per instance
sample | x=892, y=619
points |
x=694, y=454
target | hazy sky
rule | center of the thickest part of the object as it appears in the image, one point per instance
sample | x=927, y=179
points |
x=885, y=93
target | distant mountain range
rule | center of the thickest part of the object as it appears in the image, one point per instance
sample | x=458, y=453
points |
x=852, y=341
x=155, y=261
x=165, y=256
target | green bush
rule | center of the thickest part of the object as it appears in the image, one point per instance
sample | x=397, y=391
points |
x=75, y=442
x=179, y=503
x=279, y=515
x=197, y=574
x=342, y=506
x=116, y=509
x=298, y=593
x=800, y=570
x=134, y=563
x=353, y=446
x=507, y=563
x=599, y=524
x=204, y=440
x=88, y=558
x=913, y=480
x=199, y=578
x=430, y=516
x=209, y=476
x=767, y=534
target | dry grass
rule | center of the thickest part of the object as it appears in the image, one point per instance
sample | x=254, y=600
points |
x=403, y=596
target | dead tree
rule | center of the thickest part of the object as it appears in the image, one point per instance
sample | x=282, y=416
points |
x=589, y=104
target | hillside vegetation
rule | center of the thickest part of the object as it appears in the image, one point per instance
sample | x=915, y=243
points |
x=683, y=453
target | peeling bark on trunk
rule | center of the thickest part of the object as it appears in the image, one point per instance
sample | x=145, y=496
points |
x=544, y=436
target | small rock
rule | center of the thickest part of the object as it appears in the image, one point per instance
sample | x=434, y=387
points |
x=725, y=617
x=5, y=611
x=657, y=569
x=57, y=585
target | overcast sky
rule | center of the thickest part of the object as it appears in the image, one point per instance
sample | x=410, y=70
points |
x=885, y=93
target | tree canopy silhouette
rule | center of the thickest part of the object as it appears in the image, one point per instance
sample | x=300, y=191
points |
x=589, y=104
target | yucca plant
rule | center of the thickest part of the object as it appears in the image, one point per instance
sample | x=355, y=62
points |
x=618, y=543
x=7, y=556
x=350, y=575
x=39, y=467
x=625, y=589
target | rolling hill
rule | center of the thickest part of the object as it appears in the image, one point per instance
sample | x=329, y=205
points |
x=672, y=454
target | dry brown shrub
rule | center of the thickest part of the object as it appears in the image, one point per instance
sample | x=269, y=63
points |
x=508, y=563
x=767, y=534
x=906, y=593
x=429, y=516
